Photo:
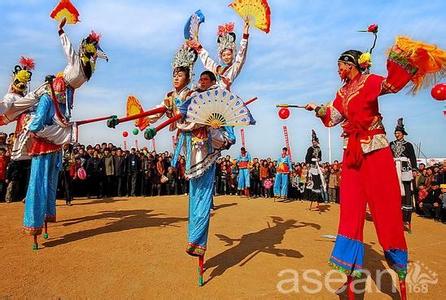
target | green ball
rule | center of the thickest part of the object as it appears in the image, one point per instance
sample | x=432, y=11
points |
x=135, y=131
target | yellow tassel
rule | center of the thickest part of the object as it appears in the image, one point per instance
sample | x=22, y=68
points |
x=429, y=59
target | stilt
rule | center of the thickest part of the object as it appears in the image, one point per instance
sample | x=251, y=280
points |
x=45, y=234
x=409, y=226
x=200, y=270
x=247, y=193
x=35, y=245
x=350, y=292
x=403, y=289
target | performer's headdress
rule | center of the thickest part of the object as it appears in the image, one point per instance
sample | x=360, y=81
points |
x=362, y=61
x=22, y=74
x=184, y=60
x=226, y=38
x=400, y=126
x=314, y=136
x=90, y=50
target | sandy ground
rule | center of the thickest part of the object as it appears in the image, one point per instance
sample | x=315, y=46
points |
x=258, y=248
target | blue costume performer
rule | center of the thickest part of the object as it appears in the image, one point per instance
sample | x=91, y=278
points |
x=243, y=179
x=40, y=204
x=283, y=169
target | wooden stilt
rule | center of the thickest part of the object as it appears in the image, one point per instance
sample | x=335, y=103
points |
x=403, y=289
x=200, y=270
x=35, y=245
x=350, y=292
x=45, y=234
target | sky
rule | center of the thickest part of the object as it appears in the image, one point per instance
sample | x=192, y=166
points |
x=295, y=63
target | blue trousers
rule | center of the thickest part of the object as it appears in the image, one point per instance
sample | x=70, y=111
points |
x=281, y=185
x=40, y=201
x=243, y=179
x=200, y=200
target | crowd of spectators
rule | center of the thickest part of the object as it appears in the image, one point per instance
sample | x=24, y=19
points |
x=104, y=170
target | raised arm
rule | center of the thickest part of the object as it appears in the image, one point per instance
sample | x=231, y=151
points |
x=235, y=69
x=66, y=44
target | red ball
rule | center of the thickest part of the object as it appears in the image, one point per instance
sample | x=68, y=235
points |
x=125, y=134
x=438, y=92
x=284, y=113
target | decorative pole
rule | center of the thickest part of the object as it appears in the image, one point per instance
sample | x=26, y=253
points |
x=287, y=141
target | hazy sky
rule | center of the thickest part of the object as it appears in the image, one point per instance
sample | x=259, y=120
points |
x=295, y=63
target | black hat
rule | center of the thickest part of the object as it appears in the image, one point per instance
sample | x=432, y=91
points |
x=400, y=126
x=314, y=136
x=351, y=57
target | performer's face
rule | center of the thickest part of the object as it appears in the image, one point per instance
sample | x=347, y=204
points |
x=227, y=56
x=344, y=70
x=399, y=135
x=205, y=82
x=180, y=80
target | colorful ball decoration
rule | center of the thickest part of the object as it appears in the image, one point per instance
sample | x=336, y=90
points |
x=284, y=113
x=125, y=134
x=438, y=92
x=135, y=131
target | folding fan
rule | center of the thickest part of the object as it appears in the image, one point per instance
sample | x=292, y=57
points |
x=134, y=107
x=217, y=108
x=65, y=9
x=193, y=25
x=257, y=12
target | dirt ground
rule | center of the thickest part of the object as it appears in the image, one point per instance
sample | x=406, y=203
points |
x=257, y=248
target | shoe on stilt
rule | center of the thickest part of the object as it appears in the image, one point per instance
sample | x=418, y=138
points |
x=35, y=247
x=45, y=236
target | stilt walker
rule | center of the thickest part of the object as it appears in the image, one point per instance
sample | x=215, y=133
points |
x=368, y=173
x=244, y=161
x=405, y=162
x=40, y=204
x=312, y=158
x=283, y=169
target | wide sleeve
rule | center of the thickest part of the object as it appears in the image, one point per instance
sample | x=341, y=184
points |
x=330, y=113
x=236, y=67
x=207, y=61
x=68, y=48
x=42, y=110
x=413, y=62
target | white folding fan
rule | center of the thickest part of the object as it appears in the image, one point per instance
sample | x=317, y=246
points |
x=217, y=108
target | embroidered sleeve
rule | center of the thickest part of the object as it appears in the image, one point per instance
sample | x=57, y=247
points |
x=399, y=72
x=329, y=114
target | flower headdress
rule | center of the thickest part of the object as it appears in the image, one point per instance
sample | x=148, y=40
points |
x=226, y=38
x=185, y=57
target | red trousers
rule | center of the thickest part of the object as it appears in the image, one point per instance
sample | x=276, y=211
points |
x=374, y=183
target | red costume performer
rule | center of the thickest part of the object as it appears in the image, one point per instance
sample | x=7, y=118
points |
x=368, y=173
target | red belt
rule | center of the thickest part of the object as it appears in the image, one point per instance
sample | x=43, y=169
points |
x=354, y=154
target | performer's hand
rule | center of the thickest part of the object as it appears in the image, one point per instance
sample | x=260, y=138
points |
x=149, y=133
x=421, y=204
x=62, y=23
x=194, y=44
x=112, y=122
x=310, y=106
x=246, y=27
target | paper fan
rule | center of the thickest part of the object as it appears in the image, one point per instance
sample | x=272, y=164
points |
x=134, y=107
x=193, y=25
x=217, y=108
x=257, y=12
x=65, y=9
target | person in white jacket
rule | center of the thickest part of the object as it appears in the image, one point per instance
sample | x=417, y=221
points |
x=232, y=62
